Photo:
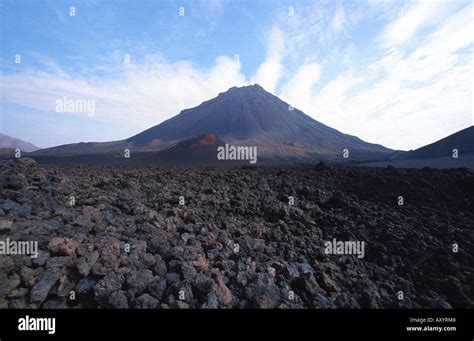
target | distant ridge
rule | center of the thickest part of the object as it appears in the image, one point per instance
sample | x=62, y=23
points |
x=462, y=140
x=8, y=142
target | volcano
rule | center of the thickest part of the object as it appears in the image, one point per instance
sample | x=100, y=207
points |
x=250, y=115
x=244, y=116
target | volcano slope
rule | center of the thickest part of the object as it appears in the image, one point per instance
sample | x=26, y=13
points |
x=148, y=237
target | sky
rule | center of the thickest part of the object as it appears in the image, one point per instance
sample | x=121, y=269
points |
x=397, y=73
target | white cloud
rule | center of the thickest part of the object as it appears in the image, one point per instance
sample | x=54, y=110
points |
x=411, y=20
x=271, y=70
x=405, y=100
x=328, y=104
x=140, y=95
x=454, y=34
x=299, y=88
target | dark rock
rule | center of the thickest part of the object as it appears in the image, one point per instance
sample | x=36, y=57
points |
x=14, y=182
x=5, y=285
x=187, y=270
x=191, y=247
x=146, y=301
x=159, y=268
x=58, y=262
x=84, y=286
x=40, y=260
x=118, y=300
x=138, y=281
x=84, y=221
x=106, y=286
x=85, y=264
x=369, y=299
x=325, y=281
x=19, y=303
x=212, y=301
x=263, y=293
x=157, y=288
x=41, y=289
x=5, y=225
x=6, y=263
x=55, y=304
x=173, y=277
x=290, y=271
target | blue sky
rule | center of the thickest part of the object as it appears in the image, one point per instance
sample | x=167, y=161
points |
x=399, y=73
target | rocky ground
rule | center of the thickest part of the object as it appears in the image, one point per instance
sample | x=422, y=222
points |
x=128, y=242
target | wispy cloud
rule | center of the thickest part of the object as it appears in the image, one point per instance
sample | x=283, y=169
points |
x=412, y=19
x=140, y=95
x=300, y=88
x=406, y=99
x=271, y=70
